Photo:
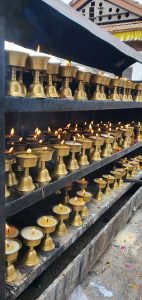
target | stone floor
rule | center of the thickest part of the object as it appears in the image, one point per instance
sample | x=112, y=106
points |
x=118, y=273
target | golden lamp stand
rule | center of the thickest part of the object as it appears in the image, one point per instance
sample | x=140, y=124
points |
x=138, y=128
x=117, y=175
x=62, y=212
x=11, y=176
x=67, y=72
x=115, y=83
x=67, y=189
x=108, y=141
x=86, y=196
x=99, y=81
x=74, y=148
x=50, y=89
x=44, y=154
x=37, y=64
x=77, y=206
x=11, y=256
x=138, y=92
x=82, y=77
x=130, y=86
x=26, y=161
x=127, y=137
x=16, y=60
x=117, y=136
x=7, y=167
x=48, y=225
x=135, y=165
x=109, y=181
x=128, y=169
x=31, y=257
x=60, y=168
x=96, y=153
x=101, y=185
x=122, y=172
x=23, y=87
x=124, y=93
x=86, y=144
x=83, y=183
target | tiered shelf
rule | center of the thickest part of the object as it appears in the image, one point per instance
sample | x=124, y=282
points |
x=63, y=39
x=13, y=104
x=96, y=210
x=17, y=204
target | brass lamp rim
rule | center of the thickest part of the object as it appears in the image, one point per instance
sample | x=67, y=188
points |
x=37, y=62
x=16, y=58
x=77, y=202
x=107, y=177
x=67, y=71
x=98, y=181
x=16, y=240
x=53, y=68
x=47, y=216
x=29, y=240
x=55, y=210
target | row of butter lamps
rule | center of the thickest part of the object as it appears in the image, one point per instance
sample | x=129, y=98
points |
x=39, y=156
x=49, y=66
x=34, y=236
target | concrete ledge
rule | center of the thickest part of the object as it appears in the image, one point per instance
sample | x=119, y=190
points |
x=63, y=286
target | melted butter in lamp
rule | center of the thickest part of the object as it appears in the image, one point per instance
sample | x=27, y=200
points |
x=11, y=246
x=11, y=231
x=32, y=233
x=47, y=221
x=27, y=155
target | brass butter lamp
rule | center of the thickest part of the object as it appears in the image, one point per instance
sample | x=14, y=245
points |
x=115, y=83
x=138, y=92
x=82, y=77
x=61, y=150
x=86, y=144
x=62, y=212
x=11, y=232
x=83, y=183
x=124, y=94
x=117, y=175
x=101, y=185
x=108, y=141
x=37, y=62
x=99, y=81
x=86, y=196
x=26, y=160
x=67, y=73
x=109, y=181
x=77, y=206
x=126, y=134
x=122, y=172
x=129, y=90
x=52, y=69
x=97, y=142
x=138, y=128
x=67, y=188
x=48, y=225
x=7, y=167
x=128, y=168
x=44, y=154
x=11, y=176
x=23, y=87
x=74, y=148
x=16, y=60
x=12, y=247
x=32, y=237
x=135, y=165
